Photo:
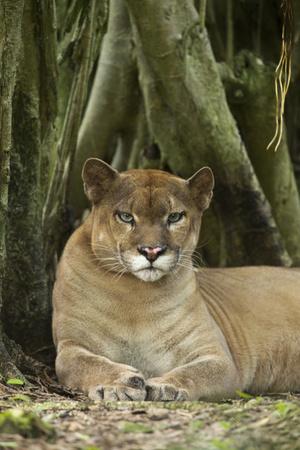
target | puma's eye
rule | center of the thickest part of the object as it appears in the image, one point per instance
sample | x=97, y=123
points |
x=125, y=217
x=175, y=217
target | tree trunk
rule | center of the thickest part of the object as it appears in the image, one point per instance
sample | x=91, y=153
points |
x=251, y=98
x=183, y=94
x=28, y=146
x=10, y=40
x=27, y=317
x=113, y=105
x=56, y=222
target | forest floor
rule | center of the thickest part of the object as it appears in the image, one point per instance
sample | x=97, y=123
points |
x=38, y=420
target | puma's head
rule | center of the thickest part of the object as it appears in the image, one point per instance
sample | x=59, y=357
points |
x=145, y=222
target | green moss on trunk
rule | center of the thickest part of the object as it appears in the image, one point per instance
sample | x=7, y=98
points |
x=27, y=305
x=10, y=41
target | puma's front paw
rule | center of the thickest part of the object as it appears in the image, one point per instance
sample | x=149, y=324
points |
x=129, y=387
x=159, y=389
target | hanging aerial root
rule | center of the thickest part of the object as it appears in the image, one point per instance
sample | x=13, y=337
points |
x=283, y=70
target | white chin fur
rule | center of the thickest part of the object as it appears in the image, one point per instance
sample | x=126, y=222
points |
x=149, y=274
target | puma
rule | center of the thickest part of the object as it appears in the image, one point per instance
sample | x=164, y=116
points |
x=134, y=320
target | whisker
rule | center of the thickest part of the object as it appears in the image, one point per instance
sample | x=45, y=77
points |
x=107, y=259
x=116, y=265
x=120, y=273
x=184, y=265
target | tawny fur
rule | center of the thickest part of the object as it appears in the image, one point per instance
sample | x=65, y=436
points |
x=192, y=333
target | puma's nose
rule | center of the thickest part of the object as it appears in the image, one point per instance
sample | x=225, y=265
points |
x=151, y=253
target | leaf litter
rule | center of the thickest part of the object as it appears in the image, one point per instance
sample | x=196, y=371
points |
x=55, y=418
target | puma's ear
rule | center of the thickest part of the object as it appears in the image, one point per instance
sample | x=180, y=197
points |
x=98, y=177
x=201, y=185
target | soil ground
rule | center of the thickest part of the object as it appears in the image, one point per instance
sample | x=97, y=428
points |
x=37, y=419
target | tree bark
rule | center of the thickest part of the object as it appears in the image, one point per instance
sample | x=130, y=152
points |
x=251, y=98
x=10, y=40
x=27, y=318
x=28, y=146
x=113, y=104
x=55, y=214
x=183, y=94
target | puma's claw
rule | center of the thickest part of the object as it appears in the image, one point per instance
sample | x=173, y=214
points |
x=129, y=387
x=161, y=391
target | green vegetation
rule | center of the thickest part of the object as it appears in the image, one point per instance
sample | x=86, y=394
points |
x=27, y=424
x=15, y=382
